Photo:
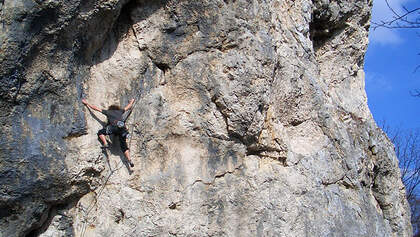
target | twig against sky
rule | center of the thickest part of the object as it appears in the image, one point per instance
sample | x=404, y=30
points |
x=406, y=20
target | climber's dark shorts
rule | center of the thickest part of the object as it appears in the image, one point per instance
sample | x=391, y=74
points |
x=121, y=133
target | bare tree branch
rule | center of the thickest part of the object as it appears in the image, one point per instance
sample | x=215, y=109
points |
x=416, y=92
x=400, y=21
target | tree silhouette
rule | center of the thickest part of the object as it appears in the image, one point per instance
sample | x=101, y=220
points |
x=407, y=149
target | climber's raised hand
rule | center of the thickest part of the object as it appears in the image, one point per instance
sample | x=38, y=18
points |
x=91, y=106
x=129, y=105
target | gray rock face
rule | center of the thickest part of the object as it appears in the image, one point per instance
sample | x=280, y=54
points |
x=251, y=120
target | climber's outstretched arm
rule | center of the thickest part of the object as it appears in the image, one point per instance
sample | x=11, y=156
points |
x=91, y=106
x=129, y=105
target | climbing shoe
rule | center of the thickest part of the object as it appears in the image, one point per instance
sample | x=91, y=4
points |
x=131, y=163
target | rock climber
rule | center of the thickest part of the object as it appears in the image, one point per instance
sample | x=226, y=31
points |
x=115, y=125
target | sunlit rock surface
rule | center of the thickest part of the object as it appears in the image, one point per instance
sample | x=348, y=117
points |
x=251, y=120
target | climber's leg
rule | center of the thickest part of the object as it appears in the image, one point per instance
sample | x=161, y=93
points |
x=102, y=135
x=124, y=148
x=127, y=155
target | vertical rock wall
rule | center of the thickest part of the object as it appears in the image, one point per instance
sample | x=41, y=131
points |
x=251, y=120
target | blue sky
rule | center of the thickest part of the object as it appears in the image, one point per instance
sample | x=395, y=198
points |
x=390, y=64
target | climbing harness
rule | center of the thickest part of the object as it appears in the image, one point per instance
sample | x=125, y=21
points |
x=120, y=124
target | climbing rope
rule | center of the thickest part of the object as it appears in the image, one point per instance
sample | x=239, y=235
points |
x=99, y=193
x=131, y=135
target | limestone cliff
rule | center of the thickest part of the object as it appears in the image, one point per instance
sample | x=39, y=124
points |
x=251, y=120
